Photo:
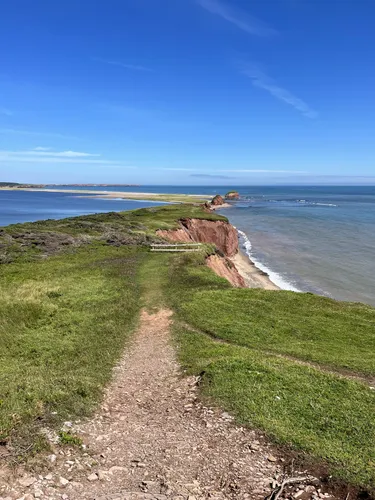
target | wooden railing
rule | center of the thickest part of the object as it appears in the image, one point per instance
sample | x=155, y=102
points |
x=175, y=247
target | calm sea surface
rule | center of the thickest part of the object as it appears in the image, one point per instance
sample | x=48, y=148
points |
x=25, y=206
x=319, y=239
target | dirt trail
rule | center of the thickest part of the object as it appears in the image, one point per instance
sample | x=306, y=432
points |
x=153, y=439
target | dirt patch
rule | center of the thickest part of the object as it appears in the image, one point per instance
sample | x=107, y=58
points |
x=154, y=439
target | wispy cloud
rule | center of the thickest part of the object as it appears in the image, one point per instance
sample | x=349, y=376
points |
x=40, y=148
x=133, y=67
x=35, y=133
x=239, y=18
x=233, y=171
x=65, y=154
x=51, y=157
x=211, y=176
x=263, y=171
x=261, y=80
x=6, y=111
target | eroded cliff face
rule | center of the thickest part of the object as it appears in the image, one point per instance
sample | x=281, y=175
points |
x=178, y=235
x=226, y=269
x=222, y=234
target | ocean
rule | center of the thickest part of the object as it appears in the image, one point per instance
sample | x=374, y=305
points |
x=310, y=239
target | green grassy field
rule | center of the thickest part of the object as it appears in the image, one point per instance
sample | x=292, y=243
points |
x=70, y=297
x=326, y=415
x=64, y=322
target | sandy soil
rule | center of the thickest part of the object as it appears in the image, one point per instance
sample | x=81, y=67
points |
x=254, y=277
x=114, y=194
x=223, y=205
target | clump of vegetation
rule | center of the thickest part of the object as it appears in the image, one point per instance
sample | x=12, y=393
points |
x=70, y=439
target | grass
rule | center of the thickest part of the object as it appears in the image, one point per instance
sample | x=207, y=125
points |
x=65, y=319
x=323, y=414
x=64, y=322
x=31, y=241
x=306, y=326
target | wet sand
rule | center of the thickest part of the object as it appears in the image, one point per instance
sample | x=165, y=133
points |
x=254, y=277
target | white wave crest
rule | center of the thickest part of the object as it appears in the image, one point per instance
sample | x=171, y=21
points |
x=276, y=278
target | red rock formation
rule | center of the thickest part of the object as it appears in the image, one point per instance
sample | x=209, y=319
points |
x=232, y=195
x=179, y=235
x=220, y=233
x=226, y=269
x=217, y=200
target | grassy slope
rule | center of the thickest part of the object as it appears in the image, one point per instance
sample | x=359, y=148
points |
x=63, y=324
x=66, y=311
x=64, y=321
x=324, y=414
x=306, y=326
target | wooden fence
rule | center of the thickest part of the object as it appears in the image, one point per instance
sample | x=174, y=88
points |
x=175, y=247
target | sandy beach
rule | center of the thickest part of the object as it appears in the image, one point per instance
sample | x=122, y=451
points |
x=254, y=277
x=126, y=195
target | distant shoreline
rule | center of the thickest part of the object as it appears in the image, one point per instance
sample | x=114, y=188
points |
x=126, y=195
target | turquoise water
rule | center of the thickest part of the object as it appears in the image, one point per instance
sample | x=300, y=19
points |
x=319, y=239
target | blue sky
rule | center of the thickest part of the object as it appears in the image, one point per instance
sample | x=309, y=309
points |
x=187, y=91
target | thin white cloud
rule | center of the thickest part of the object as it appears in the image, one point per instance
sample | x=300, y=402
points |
x=75, y=157
x=35, y=133
x=239, y=18
x=6, y=111
x=239, y=171
x=261, y=80
x=180, y=169
x=133, y=67
x=66, y=154
x=41, y=148
x=263, y=171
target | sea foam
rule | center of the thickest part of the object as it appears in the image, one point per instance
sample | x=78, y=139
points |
x=276, y=278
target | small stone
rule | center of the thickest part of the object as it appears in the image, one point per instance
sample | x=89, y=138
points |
x=48, y=477
x=38, y=493
x=116, y=468
x=141, y=465
x=92, y=477
x=271, y=458
x=65, y=496
x=52, y=458
x=26, y=482
x=299, y=494
x=63, y=482
x=102, y=475
x=310, y=489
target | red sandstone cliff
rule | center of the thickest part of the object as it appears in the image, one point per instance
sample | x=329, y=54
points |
x=226, y=269
x=222, y=234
